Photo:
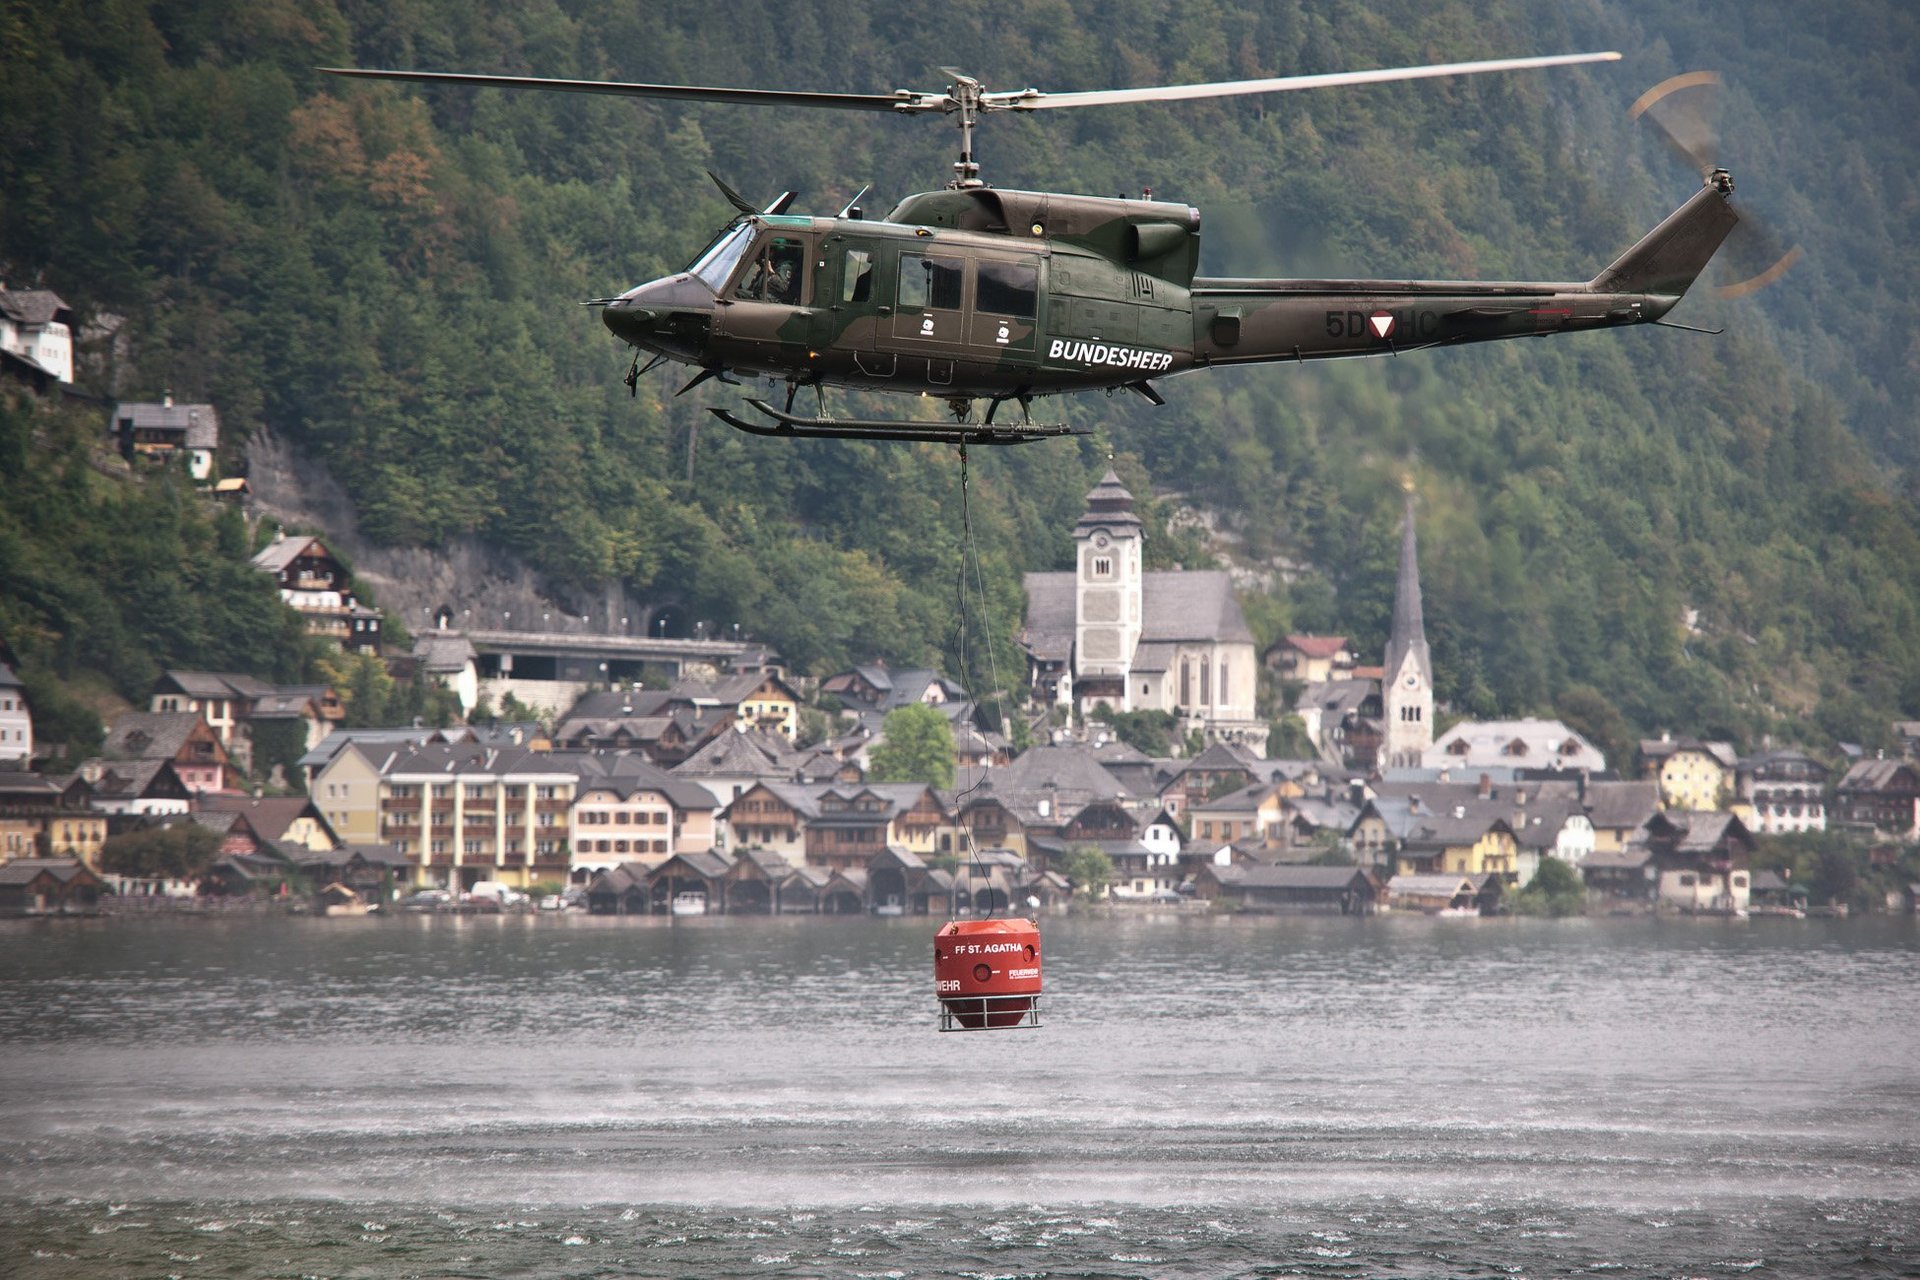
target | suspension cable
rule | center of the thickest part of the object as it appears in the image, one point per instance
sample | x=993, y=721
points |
x=968, y=547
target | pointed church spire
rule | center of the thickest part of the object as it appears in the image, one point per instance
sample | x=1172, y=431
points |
x=1409, y=624
x=1407, y=693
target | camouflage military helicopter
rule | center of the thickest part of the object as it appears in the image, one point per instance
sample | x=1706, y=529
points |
x=975, y=293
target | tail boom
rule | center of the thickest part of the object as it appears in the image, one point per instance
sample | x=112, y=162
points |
x=1253, y=321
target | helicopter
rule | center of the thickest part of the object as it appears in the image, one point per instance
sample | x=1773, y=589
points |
x=976, y=293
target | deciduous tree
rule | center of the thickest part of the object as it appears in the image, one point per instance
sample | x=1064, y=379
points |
x=918, y=748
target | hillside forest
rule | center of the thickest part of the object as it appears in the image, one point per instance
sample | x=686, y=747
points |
x=1636, y=530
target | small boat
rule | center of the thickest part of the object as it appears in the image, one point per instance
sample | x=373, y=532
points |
x=688, y=904
x=338, y=900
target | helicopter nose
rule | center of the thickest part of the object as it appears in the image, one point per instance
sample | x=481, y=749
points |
x=629, y=321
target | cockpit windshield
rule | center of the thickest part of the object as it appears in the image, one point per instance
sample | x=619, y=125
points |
x=719, y=259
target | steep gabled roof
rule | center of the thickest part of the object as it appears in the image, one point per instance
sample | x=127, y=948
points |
x=1879, y=775
x=1454, y=828
x=1065, y=768
x=1048, y=634
x=1659, y=749
x=27, y=870
x=267, y=816
x=149, y=735
x=1191, y=604
x=34, y=307
x=1247, y=799
x=1430, y=884
x=1618, y=805
x=753, y=752
x=626, y=773
x=281, y=552
x=1335, y=699
x=131, y=779
x=443, y=653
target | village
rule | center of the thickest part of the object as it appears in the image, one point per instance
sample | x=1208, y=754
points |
x=695, y=791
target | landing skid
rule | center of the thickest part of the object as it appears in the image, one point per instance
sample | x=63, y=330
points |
x=792, y=426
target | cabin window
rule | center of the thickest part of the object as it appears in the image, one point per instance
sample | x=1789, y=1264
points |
x=856, y=282
x=1008, y=289
x=930, y=283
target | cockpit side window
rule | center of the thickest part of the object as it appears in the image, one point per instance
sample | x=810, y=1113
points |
x=775, y=273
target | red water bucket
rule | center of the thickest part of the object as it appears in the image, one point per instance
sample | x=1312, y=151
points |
x=987, y=974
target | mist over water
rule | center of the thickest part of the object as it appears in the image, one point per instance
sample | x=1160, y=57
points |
x=582, y=1096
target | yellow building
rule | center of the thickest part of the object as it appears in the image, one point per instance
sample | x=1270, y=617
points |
x=347, y=791
x=1692, y=774
x=1460, y=843
x=43, y=817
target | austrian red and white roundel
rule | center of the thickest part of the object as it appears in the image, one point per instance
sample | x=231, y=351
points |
x=1381, y=322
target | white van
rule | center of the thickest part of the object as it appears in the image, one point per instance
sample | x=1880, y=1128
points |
x=495, y=891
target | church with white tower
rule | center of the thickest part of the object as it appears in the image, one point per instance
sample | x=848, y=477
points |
x=1170, y=640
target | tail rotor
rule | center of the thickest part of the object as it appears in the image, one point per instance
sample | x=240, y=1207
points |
x=1684, y=113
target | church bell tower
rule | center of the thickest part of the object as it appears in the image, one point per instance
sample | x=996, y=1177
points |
x=1406, y=693
x=1107, y=597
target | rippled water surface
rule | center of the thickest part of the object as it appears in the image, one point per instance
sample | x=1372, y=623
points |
x=536, y=1096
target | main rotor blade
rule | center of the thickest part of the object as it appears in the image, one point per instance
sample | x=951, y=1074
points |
x=1034, y=100
x=901, y=101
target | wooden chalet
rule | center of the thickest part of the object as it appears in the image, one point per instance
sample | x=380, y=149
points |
x=183, y=738
x=1283, y=888
x=49, y=886
x=1436, y=893
x=1882, y=796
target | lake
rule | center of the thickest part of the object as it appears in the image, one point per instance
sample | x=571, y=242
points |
x=578, y=1096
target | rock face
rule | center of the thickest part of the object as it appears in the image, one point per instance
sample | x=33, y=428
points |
x=482, y=587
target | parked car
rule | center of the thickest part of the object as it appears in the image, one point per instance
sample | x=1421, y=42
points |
x=495, y=896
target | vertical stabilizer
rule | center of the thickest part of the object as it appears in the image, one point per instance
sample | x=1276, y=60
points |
x=1671, y=257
